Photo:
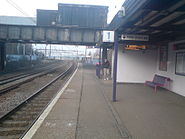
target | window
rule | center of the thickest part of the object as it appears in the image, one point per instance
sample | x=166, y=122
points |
x=163, y=58
x=180, y=63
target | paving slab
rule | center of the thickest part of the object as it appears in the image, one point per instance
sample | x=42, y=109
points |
x=81, y=112
x=146, y=114
x=96, y=120
x=62, y=119
x=85, y=111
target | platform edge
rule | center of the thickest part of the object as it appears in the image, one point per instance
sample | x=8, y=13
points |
x=45, y=113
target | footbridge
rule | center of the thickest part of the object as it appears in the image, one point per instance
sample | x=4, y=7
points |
x=49, y=35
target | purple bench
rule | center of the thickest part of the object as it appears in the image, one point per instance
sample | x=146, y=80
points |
x=158, y=81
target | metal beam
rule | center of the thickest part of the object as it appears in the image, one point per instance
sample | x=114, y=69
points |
x=179, y=28
x=49, y=35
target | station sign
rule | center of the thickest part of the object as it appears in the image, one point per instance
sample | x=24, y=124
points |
x=135, y=47
x=131, y=37
x=108, y=36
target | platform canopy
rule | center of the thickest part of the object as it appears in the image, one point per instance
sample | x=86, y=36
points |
x=162, y=20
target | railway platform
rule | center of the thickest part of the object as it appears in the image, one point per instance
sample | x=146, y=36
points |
x=84, y=110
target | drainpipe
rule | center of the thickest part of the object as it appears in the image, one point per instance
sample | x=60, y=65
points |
x=24, y=50
x=116, y=46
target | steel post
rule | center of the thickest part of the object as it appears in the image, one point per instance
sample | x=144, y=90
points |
x=100, y=55
x=104, y=54
x=116, y=46
x=2, y=56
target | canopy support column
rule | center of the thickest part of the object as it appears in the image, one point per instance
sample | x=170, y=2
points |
x=116, y=47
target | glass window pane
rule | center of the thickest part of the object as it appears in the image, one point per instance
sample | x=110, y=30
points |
x=180, y=63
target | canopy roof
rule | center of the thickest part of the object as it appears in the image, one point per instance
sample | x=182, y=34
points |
x=162, y=20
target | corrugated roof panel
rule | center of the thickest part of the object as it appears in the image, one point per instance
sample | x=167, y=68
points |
x=167, y=19
x=180, y=22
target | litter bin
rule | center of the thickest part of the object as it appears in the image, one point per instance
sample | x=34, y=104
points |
x=98, y=68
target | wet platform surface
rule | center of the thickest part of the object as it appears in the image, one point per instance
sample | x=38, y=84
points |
x=85, y=111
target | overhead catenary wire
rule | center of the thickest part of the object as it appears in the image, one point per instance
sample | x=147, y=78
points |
x=17, y=7
x=20, y=9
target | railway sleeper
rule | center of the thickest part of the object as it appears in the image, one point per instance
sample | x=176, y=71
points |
x=36, y=104
x=26, y=112
x=48, y=96
x=10, y=137
x=32, y=109
x=22, y=117
x=17, y=123
x=39, y=101
x=12, y=131
x=42, y=99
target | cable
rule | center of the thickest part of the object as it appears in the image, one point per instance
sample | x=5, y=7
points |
x=19, y=9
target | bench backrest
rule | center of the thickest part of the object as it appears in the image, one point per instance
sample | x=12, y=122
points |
x=159, y=79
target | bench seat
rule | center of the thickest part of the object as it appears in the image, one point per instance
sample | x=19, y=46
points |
x=158, y=81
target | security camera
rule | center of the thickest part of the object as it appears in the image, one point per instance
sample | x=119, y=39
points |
x=121, y=12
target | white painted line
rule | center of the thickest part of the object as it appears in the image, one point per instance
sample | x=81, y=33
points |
x=40, y=120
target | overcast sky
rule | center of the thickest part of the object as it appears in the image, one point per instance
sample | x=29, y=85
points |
x=7, y=8
x=29, y=6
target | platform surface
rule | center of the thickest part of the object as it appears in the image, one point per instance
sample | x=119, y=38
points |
x=85, y=111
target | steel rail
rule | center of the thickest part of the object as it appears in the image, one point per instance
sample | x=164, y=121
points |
x=63, y=75
x=41, y=89
x=27, y=101
x=2, y=91
x=23, y=75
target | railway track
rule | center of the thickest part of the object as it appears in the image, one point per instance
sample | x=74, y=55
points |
x=15, y=123
x=19, y=80
x=24, y=75
x=4, y=75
